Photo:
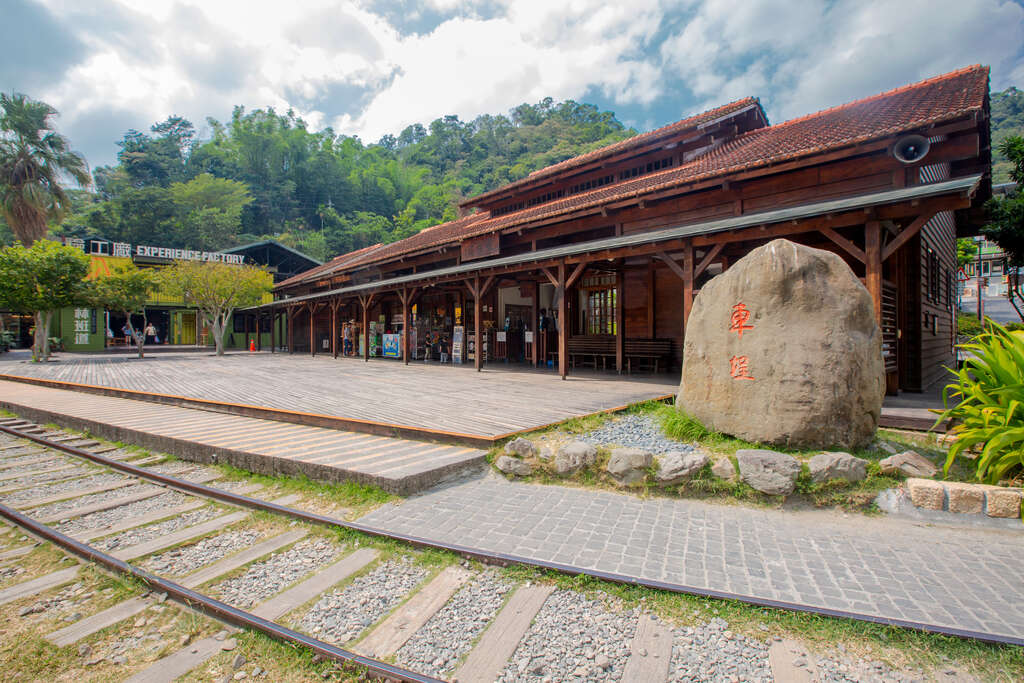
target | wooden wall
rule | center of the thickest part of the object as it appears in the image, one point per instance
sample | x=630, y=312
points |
x=938, y=320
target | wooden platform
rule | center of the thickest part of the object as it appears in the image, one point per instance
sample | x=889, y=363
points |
x=421, y=400
x=264, y=446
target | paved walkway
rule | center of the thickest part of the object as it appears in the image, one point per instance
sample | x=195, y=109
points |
x=885, y=568
x=492, y=403
x=263, y=446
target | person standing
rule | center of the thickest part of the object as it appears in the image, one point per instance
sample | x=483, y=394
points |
x=150, y=334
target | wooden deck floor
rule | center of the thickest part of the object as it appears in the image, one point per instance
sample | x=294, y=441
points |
x=264, y=446
x=491, y=403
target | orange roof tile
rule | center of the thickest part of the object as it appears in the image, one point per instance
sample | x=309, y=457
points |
x=939, y=99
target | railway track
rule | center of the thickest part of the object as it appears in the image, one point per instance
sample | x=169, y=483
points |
x=265, y=564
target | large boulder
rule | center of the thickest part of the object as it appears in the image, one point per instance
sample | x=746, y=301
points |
x=573, y=456
x=769, y=472
x=677, y=466
x=513, y=466
x=521, y=447
x=827, y=466
x=628, y=466
x=783, y=348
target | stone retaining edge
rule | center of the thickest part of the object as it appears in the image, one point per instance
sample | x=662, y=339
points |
x=252, y=462
x=963, y=498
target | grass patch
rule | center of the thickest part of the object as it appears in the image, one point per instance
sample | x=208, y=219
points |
x=360, y=497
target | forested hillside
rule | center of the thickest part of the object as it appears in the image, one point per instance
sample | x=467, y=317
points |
x=1007, y=119
x=265, y=174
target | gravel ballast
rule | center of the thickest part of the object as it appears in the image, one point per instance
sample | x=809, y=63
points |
x=148, y=533
x=437, y=647
x=340, y=616
x=635, y=431
x=189, y=558
x=26, y=495
x=104, y=518
x=276, y=573
x=573, y=638
x=72, y=504
x=711, y=652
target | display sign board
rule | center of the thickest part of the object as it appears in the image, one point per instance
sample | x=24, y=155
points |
x=480, y=247
x=502, y=336
x=458, y=339
x=528, y=337
x=392, y=346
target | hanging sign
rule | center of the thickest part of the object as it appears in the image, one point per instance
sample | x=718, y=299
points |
x=458, y=338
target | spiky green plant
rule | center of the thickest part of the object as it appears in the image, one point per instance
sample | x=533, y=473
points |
x=990, y=411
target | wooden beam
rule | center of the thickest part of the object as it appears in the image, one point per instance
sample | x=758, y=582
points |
x=550, y=277
x=563, y=323
x=312, y=330
x=477, y=314
x=620, y=320
x=576, y=273
x=487, y=285
x=708, y=259
x=534, y=323
x=672, y=265
x=651, y=310
x=406, y=296
x=873, y=265
x=687, y=285
x=848, y=246
x=906, y=234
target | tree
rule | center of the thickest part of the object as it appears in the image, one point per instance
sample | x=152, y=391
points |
x=33, y=160
x=208, y=211
x=966, y=250
x=217, y=289
x=40, y=280
x=1006, y=214
x=126, y=290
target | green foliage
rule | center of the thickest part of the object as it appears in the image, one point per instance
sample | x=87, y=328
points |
x=216, y=289
x=34, y=161
x=1007, y=118
x=301, y=183
x=126, y=290
x=990, y=412
x=966, y=250
x=1006, y=214
x=968, y=325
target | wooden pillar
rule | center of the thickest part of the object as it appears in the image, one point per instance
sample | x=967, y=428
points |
x=535, y=324
x=366, y=301
x=620, y=320
x=687, y=283
x=312, y=330
x=477, y=314
x=273, y=330
x=334, y=328
x=289, y=320
x=873, y=265
x=650, y=299
x=405, y=325
x=563, y=324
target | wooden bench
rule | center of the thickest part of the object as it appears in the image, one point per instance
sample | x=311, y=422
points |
x=591, y=349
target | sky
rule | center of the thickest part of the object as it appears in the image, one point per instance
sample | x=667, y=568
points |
x=372, y=67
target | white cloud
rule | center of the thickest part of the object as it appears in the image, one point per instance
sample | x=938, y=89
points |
x=340, y=63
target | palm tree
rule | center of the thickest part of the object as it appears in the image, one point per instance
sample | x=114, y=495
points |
x=34, y=159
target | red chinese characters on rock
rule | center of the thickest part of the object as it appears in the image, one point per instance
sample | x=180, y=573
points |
x=739, y=366
x=738, y=321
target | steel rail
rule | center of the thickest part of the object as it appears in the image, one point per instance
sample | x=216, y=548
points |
x=211, y=606
x=505, y=559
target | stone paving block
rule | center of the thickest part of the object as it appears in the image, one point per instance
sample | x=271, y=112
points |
x=965, y=498
x=1000, y=502
x=927, y=494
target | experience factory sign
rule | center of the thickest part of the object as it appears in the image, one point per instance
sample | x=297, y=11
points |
x=99, y=247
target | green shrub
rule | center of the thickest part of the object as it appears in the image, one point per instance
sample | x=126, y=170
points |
x=990, y=390
x=968, y=325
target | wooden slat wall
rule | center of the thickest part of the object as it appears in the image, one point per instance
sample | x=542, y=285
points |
x=668, y=317
x=937, y=341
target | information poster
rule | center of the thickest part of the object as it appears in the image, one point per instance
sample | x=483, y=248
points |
x=392, y=346
x=458, y=339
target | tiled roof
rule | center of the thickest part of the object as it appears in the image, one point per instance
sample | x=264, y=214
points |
x=936, y=100
x=672, y=129
x=329, y=267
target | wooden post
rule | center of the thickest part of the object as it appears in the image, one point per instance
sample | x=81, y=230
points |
x=687, y=283
x=365, y=301
x=620, y=320
x=273, y=330
x=289, y=319
x=405, y=325
x=477, y=314
x=563, y=324
x=535, y=324
x=312, y=330
x=873, y=265
x=334, y=328
x=650, y=299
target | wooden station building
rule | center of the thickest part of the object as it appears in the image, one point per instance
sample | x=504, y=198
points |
x=596, y=260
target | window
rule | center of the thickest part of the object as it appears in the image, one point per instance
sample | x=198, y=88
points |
x=997, y=267
x=599, y=298
x=934, y=277
x=970, y=269
x=986, y=268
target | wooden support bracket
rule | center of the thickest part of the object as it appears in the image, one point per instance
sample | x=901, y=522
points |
x=906, y=234
x=848, y=246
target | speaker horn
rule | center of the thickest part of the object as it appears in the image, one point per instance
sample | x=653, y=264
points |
x=911, y=148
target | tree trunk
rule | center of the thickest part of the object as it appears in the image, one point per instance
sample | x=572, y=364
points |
x=218, y=335
x=38, y=335
x=47, y=318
